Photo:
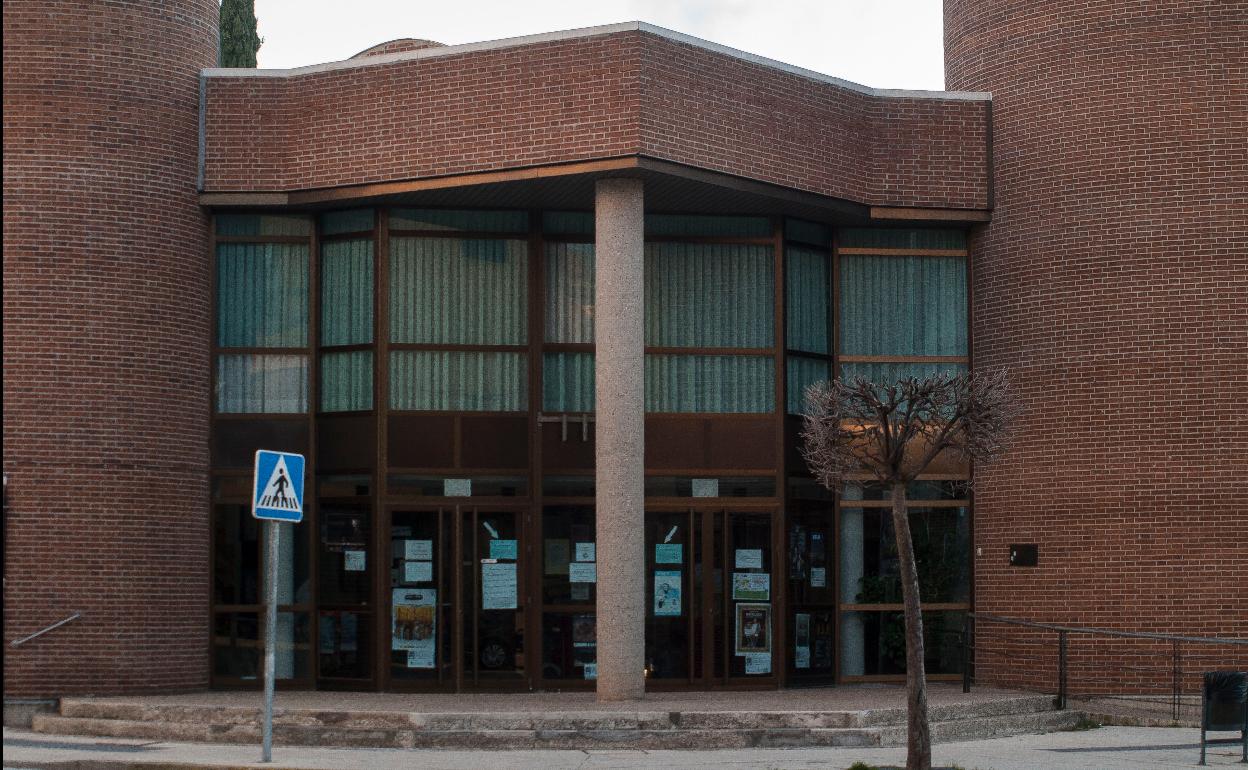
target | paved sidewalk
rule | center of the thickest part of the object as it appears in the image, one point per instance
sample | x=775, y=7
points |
x=1108, y=748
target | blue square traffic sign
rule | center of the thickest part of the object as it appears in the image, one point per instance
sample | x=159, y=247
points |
x=278, y=494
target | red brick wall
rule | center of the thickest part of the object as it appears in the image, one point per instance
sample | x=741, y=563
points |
x=714, y=111
x=1113, y=280
x=578, y=99
x=506, y=108
x=106, y=308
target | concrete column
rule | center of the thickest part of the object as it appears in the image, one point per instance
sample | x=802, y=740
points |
x=619, y=386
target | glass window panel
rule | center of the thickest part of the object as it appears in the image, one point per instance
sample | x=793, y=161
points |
x=807, y=292
x=916, y=491
x=292, y=652
x=568, y=222
x=442, y=380
x=903, y=306
x=459, y=292
x=262, y=295
x=802, y=373
x=263, y=224
x=236, y=555
x=262, y=384
x=460, y=220
x=901, y=238
x=702, y=225
x=236, y=645
x=888, y=373
x=568, y=486
x=347, y=292
x=744, y=384
x=709, y=295
x=568, y=382
x=870, y=571
x=725, y=486
x=345, y=642
x=570, y=292
x=874, y=643
x=347, y=381
x=563, y=528
x=353, y=221
x=808, y=232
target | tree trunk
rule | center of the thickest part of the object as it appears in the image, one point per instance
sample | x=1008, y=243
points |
x=919, y=741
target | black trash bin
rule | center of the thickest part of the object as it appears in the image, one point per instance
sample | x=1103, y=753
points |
x=1225, y=708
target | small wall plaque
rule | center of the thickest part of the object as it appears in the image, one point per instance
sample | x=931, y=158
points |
x=457, y=487
x=1023, y=554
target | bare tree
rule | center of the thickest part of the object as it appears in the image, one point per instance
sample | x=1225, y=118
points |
x=892, y=433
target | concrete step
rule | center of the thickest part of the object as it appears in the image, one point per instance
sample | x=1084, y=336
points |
x=91, y=708
x=980, y=728
x=550, y=730
x=296, y=735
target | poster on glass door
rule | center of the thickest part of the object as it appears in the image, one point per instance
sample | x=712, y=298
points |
x=414, y=627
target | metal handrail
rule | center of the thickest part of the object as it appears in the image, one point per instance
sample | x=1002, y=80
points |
x=1110, y=632
x=55, y=625
x=1063, y=663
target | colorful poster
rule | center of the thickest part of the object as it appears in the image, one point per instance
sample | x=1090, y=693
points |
x=801, y=640
x=417, y=572
x=667, y=553
x=414, y=625
x=418, y=550
x=753, y=628
x=798, y=558
x=749, y=558
x=585, y=552
x=751, y=586
x=580, y=572
x=353, y=561
x=498, y=586
x=758, y=663
x=667, y=593
x=502, y=549
x=818, y=577
x=556, y=557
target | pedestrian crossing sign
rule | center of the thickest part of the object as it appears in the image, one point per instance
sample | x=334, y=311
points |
x=278, y=486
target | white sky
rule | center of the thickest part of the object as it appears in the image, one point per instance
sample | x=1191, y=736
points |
x=879, y=43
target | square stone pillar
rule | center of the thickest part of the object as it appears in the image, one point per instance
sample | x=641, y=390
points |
x=619, y=388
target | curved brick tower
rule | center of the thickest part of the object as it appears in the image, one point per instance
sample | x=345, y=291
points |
x=106, y=309
x=1113, y=279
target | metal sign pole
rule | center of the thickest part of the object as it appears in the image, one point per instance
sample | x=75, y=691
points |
x=270, y=637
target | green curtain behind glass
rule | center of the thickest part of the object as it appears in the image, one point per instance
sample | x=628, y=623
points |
x=347, y=292
x=444, y=380
x=347, y=381
x=803, y=372
x=888, y=373
x=262, y=295
x=458, y=291
x=255, y=384
x=709, y=295
x=570, y=292
x=807, y=290
x=568, y=382
x=710, y=383
x=903, y=306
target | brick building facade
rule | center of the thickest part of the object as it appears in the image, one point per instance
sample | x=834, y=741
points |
x=1077, y=213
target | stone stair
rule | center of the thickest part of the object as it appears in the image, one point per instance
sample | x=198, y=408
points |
x=550, y=730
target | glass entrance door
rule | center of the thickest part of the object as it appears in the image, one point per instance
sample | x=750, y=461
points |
x=457, y=598
x=712, y=597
